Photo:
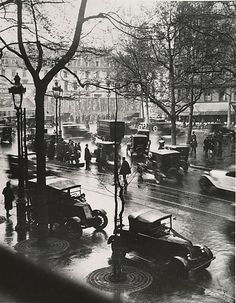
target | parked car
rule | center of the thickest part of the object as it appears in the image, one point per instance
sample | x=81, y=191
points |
x=151, y=235
x=67, y=206
x=165, y=165
x=221, y=179
x=214, y=128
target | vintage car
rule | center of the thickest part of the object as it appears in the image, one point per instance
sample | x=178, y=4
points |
x=67, y=206
x=150, y=234
x=165, y=165
x=184, y=153
x=221, y=179
x=138, y=146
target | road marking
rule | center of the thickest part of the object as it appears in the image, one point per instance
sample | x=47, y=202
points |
x=189, y=192
x=186, y=207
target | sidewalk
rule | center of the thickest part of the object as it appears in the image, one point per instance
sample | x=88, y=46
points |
x=212, y=162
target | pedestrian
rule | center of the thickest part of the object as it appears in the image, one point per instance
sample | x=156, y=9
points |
x=161, y=143
x=193, y=144
x=124, y=171
x=51, y=149
x=87, y=157
x=99, y=157
x=8, y=198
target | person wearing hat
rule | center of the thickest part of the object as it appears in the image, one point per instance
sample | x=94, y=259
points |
x=124, y=171
x=8, y=198
x=161, y=143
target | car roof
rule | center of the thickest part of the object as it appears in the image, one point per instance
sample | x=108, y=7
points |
x=176, y=146
x=143, y=130
x=164, y=151
x=139, y=136
x=59, y=183
x=150, y=216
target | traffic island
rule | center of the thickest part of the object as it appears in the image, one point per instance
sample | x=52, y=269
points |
x=30, y=247
x=135, y=279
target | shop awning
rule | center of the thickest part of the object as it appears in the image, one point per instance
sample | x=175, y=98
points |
x=208, y=109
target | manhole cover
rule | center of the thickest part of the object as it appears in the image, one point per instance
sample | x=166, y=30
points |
x=136, y=279
x=54, y=246
x=2, y=219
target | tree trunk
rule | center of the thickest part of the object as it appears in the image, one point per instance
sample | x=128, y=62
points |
x=40, y=146
x=146, y=111
x=173, y=130
x=190, y=125
x=173, y=115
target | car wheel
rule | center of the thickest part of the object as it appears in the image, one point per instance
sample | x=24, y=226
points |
x=178, y=267
x=172, y=173
x=74, y=228
x=184, y=165
x=100, y=220
x=205, y=184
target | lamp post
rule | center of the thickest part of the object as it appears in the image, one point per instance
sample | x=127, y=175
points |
x=108, y=82
x=17, y=91
x=57, y=91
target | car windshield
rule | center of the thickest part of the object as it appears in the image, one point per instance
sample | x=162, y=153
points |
x=166, y=223
x=75, y=192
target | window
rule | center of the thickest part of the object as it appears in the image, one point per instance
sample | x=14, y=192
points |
x=222, y=96
x=208, y=96
x=97, y=75
x=97, y=63
x=87, y=74
x=65, y=74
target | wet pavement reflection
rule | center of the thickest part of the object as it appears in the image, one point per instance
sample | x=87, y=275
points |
x=204, y=219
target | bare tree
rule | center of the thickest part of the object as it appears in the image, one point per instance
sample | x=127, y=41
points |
x=180, y=49
x=33, y=48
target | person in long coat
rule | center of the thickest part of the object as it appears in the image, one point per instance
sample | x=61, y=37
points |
x=124, y=171
x=87, y=157
x=8, y=198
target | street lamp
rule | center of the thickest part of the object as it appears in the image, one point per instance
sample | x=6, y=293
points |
x=108, y=82
x=17, y=91
x=57, y=92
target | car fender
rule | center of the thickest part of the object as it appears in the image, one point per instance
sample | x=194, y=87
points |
x=209, y=178
x=74, y=219
x=99, y=211
x=182, y=260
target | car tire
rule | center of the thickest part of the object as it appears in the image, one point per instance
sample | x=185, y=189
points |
x=73, y=228
x=172, y=173
x=184, y=165
x=205, y=184
x=101, y=220
x=178, y=267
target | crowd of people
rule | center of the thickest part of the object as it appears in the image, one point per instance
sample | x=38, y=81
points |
x=213, y=144
x=68, y=152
